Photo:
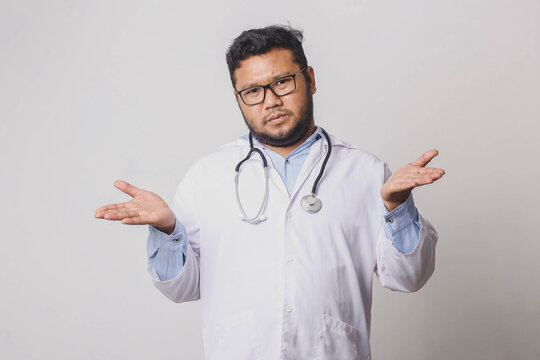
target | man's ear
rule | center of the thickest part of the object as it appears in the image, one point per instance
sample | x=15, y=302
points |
x=311, y=79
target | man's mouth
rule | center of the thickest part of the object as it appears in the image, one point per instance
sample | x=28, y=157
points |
x=276, y=118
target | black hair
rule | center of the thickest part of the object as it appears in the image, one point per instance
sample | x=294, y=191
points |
x=260, y=41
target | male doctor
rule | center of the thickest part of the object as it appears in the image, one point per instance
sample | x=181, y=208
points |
x=295, y=281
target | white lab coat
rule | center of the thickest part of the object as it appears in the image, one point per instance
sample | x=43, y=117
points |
x=298, y=285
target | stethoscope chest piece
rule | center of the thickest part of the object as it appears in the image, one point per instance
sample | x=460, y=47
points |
x=311, y=203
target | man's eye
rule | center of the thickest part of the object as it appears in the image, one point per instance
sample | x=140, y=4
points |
x=253, y=91
x=283, y=82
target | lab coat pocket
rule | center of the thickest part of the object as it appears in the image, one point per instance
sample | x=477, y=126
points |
x=235, y=337
x=339, y=340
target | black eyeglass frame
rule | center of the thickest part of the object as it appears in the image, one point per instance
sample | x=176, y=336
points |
x=268, y=86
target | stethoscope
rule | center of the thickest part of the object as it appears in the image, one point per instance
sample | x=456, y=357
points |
x=310, y=203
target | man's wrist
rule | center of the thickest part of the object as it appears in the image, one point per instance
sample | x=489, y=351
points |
x=168, y=230
x=391, y=205
x=168, y=227
x=397, y=199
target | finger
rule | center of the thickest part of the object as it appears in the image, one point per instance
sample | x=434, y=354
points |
x=436, y=174
x=126, y=187
x=425, y=158
x=137, y=220
x=419, y=171
x=428, y=169
x=104, y=209
x=425, y=180
x=120, y=214
x=110, y=207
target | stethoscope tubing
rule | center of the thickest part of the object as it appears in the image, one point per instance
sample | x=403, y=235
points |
x=321, y=172
x=259, y=217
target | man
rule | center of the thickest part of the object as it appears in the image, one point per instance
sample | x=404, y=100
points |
x=291, y=279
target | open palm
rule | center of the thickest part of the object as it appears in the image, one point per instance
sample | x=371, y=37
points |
x=398, y=188
x=146, y=208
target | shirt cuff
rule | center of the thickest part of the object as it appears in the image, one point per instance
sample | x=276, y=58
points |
x=157, y=239
x=402, y=226
x=167, y=253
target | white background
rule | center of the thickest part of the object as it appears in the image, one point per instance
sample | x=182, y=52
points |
x=93, y=91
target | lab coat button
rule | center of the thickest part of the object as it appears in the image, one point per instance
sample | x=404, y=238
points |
x=290, y=259
x=289, y=214
x=289, y=308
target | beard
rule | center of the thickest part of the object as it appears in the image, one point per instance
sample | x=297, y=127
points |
x=294, y=135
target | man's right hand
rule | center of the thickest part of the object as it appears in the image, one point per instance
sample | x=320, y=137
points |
x=146, y=208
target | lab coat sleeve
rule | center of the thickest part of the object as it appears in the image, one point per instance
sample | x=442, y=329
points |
x=406, y=272
x=185, y=285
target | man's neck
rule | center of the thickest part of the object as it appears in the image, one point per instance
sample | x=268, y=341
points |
x=286, y=150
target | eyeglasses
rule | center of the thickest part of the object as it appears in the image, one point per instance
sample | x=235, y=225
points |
x=280, y=87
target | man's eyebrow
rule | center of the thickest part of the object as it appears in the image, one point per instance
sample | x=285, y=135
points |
x=274, y=77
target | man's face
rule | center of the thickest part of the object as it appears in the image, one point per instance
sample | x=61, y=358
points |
x=277, y=121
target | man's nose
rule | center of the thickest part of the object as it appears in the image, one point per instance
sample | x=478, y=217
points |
x=270, y=99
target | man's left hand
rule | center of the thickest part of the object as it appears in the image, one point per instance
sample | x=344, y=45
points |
x=398, y=188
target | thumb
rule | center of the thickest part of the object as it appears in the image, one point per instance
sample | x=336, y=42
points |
x=425, y=158
x=126, y=187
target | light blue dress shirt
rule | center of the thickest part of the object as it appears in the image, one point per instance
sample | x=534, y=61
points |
x=167, y=252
